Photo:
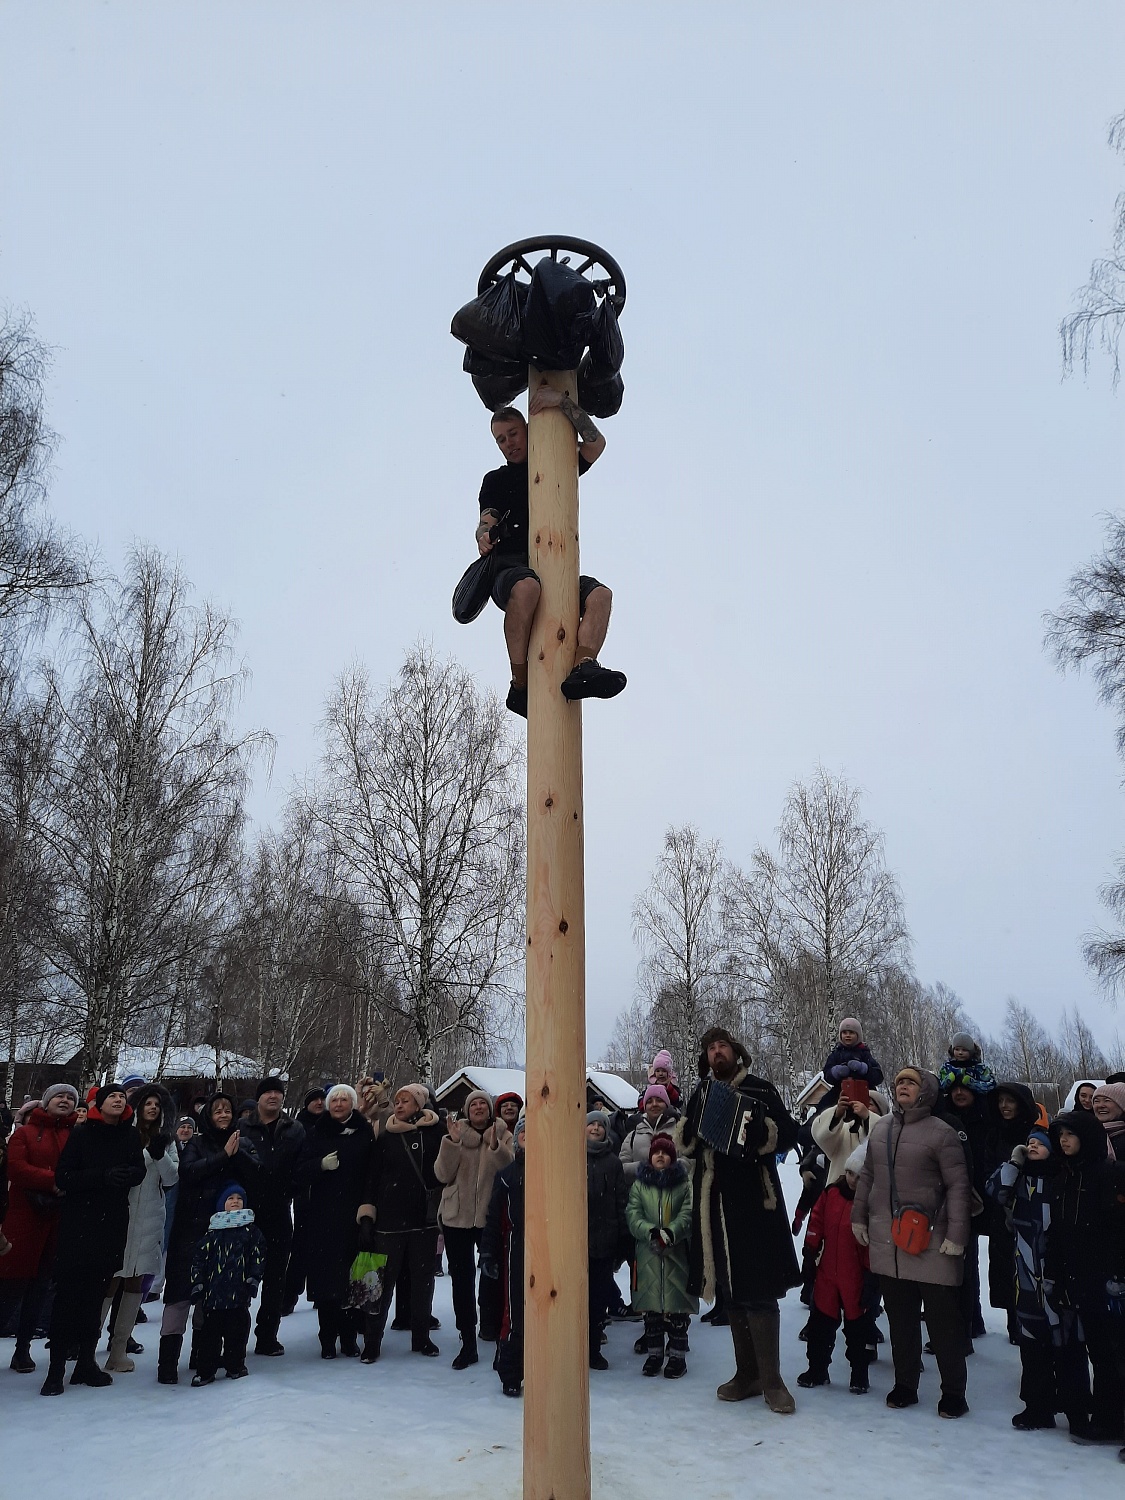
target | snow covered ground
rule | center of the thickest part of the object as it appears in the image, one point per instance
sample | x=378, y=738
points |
x=304, y=1429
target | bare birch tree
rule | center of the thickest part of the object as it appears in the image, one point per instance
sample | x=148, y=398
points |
x=676, y=926
x=146, y=800
x=39, y=563
x=420, y=807
x=1099, y=318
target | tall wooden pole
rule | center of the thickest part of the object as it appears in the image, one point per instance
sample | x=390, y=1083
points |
x=556, y=1420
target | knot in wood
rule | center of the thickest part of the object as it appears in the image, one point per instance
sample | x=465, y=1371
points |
x=550, y=802
x=562, y=633
x=545, y=1091
x=564, y=926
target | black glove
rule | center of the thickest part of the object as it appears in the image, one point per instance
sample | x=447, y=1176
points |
x=157, y=1146
x=366, y=1234
x=119, y=1176
x=808, y=1275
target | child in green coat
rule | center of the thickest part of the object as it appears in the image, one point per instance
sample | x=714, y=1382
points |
x=659, y=1218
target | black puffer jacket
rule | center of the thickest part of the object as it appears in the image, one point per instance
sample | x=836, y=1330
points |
x=329, y=1230
x=607, y=1192
x=94, y=1218
x=204, y=1168
x=1080, y=1239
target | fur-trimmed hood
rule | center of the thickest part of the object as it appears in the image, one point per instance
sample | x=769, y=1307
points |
x=667, y=1177
x=169, y=1114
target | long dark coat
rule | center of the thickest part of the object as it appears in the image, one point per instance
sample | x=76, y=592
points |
x=401, y=1175
x=33, y=1157
x=738, y=1204
x=278, y=1152
x=607, y=1193
x=329, y=1230
x=501, y=1254
x=204, y=1168
x=94, y=1219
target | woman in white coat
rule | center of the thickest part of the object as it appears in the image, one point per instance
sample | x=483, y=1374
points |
x=154, y=1116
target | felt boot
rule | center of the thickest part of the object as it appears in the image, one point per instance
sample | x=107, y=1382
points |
x=119, y=1360
x=765, y=1329
x=745, y=1382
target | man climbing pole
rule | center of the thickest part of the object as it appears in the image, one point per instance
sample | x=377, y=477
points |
x=504, y=526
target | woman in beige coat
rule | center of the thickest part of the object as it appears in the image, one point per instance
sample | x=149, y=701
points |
x=930, y=1174
x=475, y=1149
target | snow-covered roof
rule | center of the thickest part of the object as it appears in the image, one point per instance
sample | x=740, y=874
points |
x=621, y=1093
x=494, y=1081
x=184, y=1062
x=497, y=1081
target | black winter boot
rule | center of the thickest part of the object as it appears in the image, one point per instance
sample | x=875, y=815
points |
x=168, y=1359
x=53, y=1385
x=468, y=1355
x=326, y=1319
x=86, y=1370
x=677, y=1352
x=22, y=1362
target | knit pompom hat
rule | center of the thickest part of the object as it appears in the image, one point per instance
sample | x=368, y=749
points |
x=657, y=1091
x=663, y=1143
x=663, y=1059
x=849, y=1023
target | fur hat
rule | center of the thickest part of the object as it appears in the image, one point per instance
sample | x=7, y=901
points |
x=913, y=1073
x=855, y=1161
x=720, y=1034
x=663, y=1059
x=657, y=1091
x=662, y=1142
x=849, y=1023
x=417, y=1091
x=53, y=1090
x=345, y=1089
x=104, y=1092
x=273, y=1085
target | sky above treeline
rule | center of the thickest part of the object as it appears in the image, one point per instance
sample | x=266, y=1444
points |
x=847, y=478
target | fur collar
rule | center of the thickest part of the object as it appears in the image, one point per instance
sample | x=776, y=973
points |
x=667, y=1177
x=419, y=1122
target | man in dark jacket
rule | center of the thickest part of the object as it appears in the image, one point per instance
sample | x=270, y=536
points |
x=278, y=1142
x=100, y=1162
x=741, y=1245
x=399, y=1218
x=501, y=1266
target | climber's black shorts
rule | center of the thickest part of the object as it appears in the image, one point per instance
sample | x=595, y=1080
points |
x=507, y=578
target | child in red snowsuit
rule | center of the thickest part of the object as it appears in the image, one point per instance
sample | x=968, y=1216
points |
x=841, y=1267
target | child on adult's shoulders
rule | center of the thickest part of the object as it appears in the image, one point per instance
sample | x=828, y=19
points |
x=964, y=1066
x=851, y=1057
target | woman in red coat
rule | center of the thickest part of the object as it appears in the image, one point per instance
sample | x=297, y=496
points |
x=32, y=1220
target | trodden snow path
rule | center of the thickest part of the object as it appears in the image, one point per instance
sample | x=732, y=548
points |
x=305, y=1429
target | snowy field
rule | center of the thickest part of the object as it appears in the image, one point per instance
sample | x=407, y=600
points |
x=304, y=1429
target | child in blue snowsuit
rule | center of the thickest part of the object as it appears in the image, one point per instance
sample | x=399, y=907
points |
x=965, y=1065
x=225, y=1272
x=851, y=1057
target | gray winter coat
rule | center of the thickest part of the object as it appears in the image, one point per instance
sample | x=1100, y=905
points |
x=931, y=1173
x=144, y=1249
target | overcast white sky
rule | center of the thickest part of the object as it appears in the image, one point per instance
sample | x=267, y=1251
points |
x=845, y=483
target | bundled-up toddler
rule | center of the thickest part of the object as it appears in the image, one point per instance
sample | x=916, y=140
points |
x=226, y=1269
x=851, y=1057
x=964, y=1066
x=841, y=1267
x=659, y=1217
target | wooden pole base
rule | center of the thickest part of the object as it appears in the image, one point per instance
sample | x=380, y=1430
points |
x=556, y=1425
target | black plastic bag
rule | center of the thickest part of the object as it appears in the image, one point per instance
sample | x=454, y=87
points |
x=496, y=381
x=607, y=347
x=475, y=588
x=598, y=394
x=558, y=318
x=492, y=323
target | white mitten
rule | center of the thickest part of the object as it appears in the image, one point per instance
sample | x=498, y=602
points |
x=861, y=1233
x=330, y=1162
x=947, y=1247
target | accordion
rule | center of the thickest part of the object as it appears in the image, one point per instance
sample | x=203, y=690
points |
x=727, y=1119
